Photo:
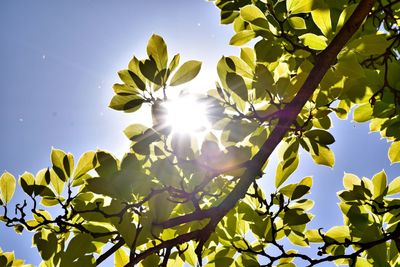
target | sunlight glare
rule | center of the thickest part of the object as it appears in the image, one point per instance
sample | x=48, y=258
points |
x=187, y=115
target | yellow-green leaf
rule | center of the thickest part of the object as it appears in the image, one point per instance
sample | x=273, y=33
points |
x=251, y=12
x=313, y=41
x=349, y=180
x=380, y=181
x=297, y=23
x=394, y=152
x=121, y=258
x=242, y=37
x=7, y=186
x=339, y=233
x=299, y=6
x=157, y=49
x=186, y=72
x=322, y=18
x=363, y=113
x=85, y=164
x=325, y=156
x=394, y=186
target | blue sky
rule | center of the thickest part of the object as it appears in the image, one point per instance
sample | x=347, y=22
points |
x=59, y=60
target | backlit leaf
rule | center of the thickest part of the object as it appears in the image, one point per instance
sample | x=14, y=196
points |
x=7, y=186
x=157, y=49
x=242, y=37
x=380, y=181
x=313, y=41
x=394, y=152
x=394, y=186
x=186, y=72
x=297, y=23
x=299, y=6
x=322, y=18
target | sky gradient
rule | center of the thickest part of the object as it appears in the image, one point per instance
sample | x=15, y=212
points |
x=59, y=60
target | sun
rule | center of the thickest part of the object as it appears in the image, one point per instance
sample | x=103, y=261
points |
x=186, y=115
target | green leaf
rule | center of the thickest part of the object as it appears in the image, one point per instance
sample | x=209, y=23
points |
x=339, y=233
x=394, y=186
x=324, y=156
x=135, y=131
x=26, y=181
x=150, y=261
x=349, y=180
x=86, y=163
x=157, y=49
x=124, y=89
x=121, y=258
x=299, y=6
x=7, y=186
x=313, y=41
x=349, y=66
x=363, y=113
x=394, y=152
x=149, y=70
x=127, y=104
x=242, y=37
x=285, y=169
x=247, y=55
x=251, y=13
x=59, y=164
x=380, y=181
x=237, y=85
x=186, y=72
x=297, y=23
x=322, y=18
x=320, y=136
x=367, y=45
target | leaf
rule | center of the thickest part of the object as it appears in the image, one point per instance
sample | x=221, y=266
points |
x=157, y=50
x=57, y=158
x=324, y=156
x=186, y=72
x=367, y=45
x=251, y=13
x=121, y=258
x=26, y=181
x=320, y=136
x=135, y=131
x=242, y=37
x=237, y=85
x=285, y=169
x=394, y=186
x=322, y=18
x=338, y=233
x=86, y=163
x=380, y=181
x=349, y=180
x=7, y=186
x=349, y=66
x=149, y=70
x=363, y=113
x=297, y=23
x=299, y=6
x=394, y=152
x=247, y=55
x=313, y=41
x=127, y=104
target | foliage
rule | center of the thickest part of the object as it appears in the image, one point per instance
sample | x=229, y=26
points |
x=173, y=199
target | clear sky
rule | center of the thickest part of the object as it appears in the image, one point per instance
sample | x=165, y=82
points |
x=59, y=59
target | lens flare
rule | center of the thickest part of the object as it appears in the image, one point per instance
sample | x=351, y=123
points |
x=186, y=115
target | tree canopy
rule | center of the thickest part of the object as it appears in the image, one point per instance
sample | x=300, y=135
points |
x=176, y=199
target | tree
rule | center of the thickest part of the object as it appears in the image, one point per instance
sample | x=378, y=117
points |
x=173, y=199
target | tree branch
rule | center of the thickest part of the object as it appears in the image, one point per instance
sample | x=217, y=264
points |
x=323, y=62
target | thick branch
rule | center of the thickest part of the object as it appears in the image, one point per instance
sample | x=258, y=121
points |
x=324, y=60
